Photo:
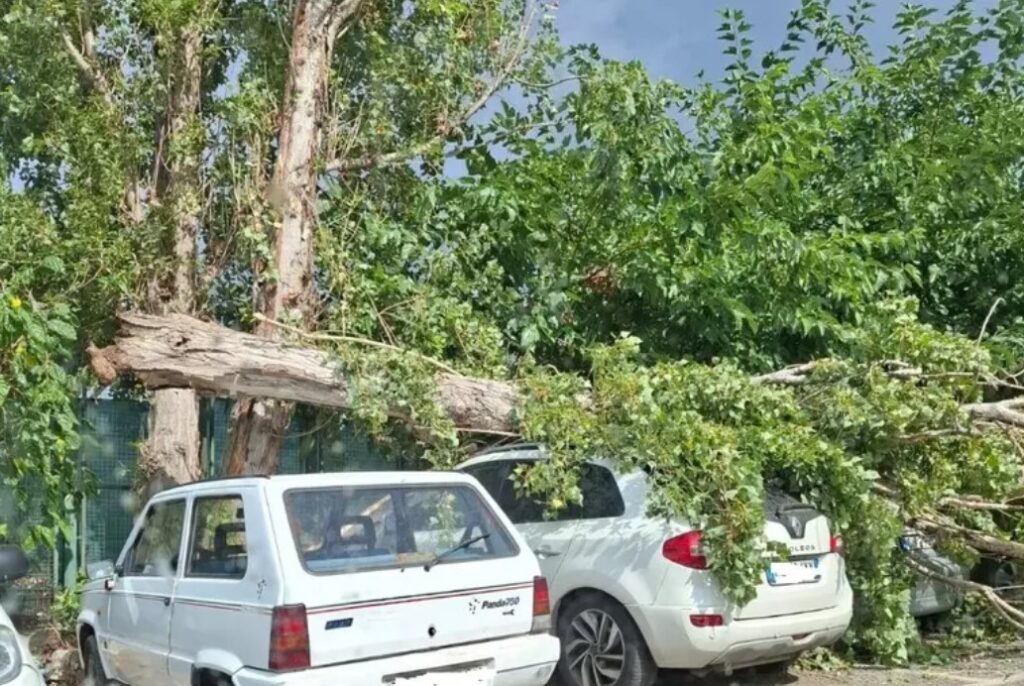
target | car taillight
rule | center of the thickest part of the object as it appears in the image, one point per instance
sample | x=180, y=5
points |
x=685, y=550
x=541, y=606
x=836, y=545
x=289, y=639
x=706, y=621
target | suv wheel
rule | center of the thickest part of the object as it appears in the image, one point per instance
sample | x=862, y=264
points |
x=94, y=674
x=601, y=645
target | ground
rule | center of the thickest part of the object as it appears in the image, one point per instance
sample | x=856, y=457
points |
x=977, y=672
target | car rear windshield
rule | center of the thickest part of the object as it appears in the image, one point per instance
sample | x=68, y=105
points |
x=352, y=529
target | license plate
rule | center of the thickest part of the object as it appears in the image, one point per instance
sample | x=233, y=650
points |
x=790, y=573
x=472, y=677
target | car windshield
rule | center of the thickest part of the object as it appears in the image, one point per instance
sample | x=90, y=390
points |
x=357, y=528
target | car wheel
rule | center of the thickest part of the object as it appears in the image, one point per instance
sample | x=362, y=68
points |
x=94, y=674
x=601, y=645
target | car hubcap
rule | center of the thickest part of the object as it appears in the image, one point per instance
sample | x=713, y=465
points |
x=595, y=651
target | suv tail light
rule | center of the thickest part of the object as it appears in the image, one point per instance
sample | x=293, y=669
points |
x=685, y=550
x=541, y=606
x=289, y=639
x=706, y=621
x=835, y=545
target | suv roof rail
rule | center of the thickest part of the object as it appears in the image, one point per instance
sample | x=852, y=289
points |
x=510, y=447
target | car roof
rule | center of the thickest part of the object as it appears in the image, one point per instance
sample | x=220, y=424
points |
x=318, y=480
x=524, y=451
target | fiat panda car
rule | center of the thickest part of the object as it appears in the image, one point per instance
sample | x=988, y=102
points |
x=388, y=578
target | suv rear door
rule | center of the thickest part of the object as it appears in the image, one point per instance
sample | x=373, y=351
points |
x=369, y=592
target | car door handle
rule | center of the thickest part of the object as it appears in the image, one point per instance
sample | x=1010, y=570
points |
x=546, y=552
x=167, y=601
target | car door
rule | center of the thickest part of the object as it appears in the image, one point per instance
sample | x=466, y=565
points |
x=569, y=538
x=140, y=600
x=219, y=598
x=549, y=540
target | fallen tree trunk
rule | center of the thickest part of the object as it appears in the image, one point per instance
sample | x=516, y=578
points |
x=177, y=351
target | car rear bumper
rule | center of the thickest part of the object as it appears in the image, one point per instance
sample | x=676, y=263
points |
x=675, y=643
x=521, y=661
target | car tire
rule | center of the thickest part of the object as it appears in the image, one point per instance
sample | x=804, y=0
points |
x=94, y=674
x=590, y=624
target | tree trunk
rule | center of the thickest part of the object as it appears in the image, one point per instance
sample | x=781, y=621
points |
x=182, y=352
x=171, y=454
x=258, y=424
x=177, y=351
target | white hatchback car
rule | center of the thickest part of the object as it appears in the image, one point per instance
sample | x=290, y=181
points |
x=320, y=580
x=633, y=594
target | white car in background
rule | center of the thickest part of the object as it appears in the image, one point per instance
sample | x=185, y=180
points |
x=17, y=668
x=633, y=594
x=404, y=579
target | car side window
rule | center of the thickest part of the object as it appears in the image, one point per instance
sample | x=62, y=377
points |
x=521, y=508
x=218, y=547
x=601, y=495
x=155, y=550
x=601, y=498
x=493, y=477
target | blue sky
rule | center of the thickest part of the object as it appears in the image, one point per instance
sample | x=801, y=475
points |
x=675, y=39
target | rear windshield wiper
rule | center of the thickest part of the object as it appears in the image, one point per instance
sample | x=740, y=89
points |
x=462, y=546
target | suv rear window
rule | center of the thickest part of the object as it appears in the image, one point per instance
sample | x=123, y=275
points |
x=353, y=529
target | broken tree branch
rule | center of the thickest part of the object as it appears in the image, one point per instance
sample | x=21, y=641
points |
x=939, y=525
x=1003, y=412
x=177, y=351
x=794, y=375
x=180, y=351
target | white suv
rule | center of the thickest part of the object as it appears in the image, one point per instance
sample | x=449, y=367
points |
x=320, y=580
x=633, y=594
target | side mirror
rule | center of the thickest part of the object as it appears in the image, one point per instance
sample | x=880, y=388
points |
x=13, y=563
x=99, y=570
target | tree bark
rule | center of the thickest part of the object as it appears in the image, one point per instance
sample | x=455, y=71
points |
x=177, y=351
x=171, y=453
x=258, y=424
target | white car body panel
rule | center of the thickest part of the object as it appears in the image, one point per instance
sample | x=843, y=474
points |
x=153, y=631
x=30, y=674
x=621, y=557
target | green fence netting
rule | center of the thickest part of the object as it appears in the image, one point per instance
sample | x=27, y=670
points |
x=111, y=433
